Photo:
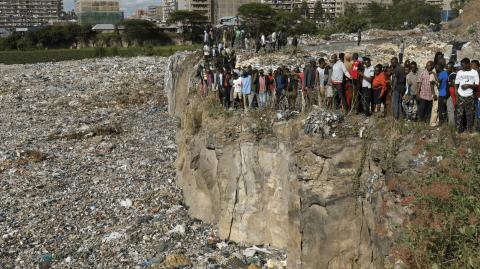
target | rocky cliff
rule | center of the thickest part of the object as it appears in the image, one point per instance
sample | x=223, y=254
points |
x=288, y=190
x=263, y=181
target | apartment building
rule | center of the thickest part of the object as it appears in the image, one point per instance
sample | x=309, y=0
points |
x=98, y=11
x=229, y=8
x=155, y=13
x=444, y=4
x=331, y=8
x=29, y=13
x=169, y=6
x=203, y=6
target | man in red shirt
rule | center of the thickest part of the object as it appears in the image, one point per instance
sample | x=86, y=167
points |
x=356, y=81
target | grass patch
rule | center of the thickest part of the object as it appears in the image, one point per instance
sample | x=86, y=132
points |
x=262, y=123
x=444, y=230
x=57, y=55
x=215, y=109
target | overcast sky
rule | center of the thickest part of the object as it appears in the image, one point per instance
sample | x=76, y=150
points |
x=128, y=6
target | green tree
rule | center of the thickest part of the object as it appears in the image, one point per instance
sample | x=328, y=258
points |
x=257, y=18
x=377, y=15
x=140, y=31
x=401, y=14
x=304, y=27
x=285, y=21
x=318, y=11
x=305, y=10
x=192, y=23
x=293, y=23
x=351, y=21
x=85, y=35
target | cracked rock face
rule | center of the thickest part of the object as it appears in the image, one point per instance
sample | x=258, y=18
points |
x=301, y=196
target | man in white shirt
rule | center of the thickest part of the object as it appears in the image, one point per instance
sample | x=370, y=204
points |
x=367, y=77
x=466, y=82
x=321, y=81
x=338, y=71
x=237, y=89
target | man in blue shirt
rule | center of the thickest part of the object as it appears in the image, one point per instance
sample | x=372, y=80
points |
x=280, y=82
x=442, y=93
x=280, y=85
x=246, y=90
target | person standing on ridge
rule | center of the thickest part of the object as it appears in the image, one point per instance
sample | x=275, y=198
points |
x=466, y=82
x=359, y=36
x=367, y=78
x=398, y=87
x=442, y=76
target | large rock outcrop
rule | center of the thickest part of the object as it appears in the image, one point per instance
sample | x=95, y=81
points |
x=317, y=198
x=181, y=68
x=288, y=190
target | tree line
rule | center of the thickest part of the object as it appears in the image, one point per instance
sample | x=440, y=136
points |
x=135, y=33
x=401, y=14
x=256, y=19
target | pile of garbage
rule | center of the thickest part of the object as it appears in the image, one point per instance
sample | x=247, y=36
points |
x=322, y=122
x=417, y=48
x=87, y=172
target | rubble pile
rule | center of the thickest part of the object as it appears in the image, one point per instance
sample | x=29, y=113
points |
x=420, y=49
x=322, y=122
x=87, y=172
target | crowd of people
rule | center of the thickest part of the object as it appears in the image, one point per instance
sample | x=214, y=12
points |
x=222, y=40
x=438, y=93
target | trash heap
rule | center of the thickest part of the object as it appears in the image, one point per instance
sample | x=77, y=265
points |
x=322, y=122
x=420, y=48
x=87, y=172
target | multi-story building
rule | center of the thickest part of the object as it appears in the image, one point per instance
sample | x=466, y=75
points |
x=443, y=4
x=446, y=7
x=331, y=8
x=161, y=13
x=139, y=14
x=169, y=6
x=29, y=13
x=203, y=6
x=155, y=13
x=228, y=8
x=98, y=11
